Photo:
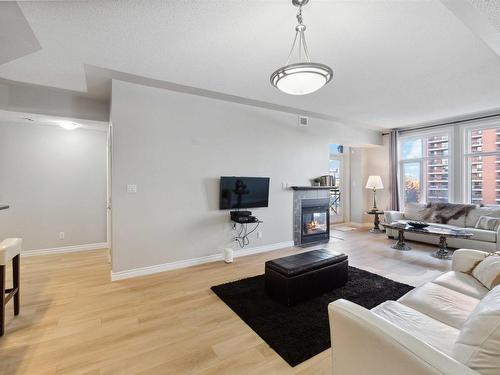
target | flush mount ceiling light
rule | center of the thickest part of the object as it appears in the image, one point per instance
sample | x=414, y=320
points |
x=303, y=77
x=68, y=125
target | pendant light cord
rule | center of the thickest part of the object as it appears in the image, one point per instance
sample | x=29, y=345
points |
x=299, y=29
x=293, y=47
x=304, y=45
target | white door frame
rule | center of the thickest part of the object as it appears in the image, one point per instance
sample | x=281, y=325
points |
x=109, y=154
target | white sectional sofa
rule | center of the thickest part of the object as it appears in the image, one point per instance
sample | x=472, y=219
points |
x=448, y=326
x=481, y=239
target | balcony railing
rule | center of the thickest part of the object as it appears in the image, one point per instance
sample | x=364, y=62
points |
x=442, y=173
x=438, y=148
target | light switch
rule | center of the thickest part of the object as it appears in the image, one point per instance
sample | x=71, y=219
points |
x=131, y=188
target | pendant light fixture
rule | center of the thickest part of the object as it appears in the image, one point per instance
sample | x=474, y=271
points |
x=303, y=77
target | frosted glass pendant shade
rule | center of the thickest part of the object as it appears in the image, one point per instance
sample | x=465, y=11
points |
x=301, y=78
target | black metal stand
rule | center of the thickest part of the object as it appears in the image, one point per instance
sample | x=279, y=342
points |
x=242, y=236
x=401, y=244
x=376, y=221
x=443, y=252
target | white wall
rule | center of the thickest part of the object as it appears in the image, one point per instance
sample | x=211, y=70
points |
x=175, y=146
x=365, y=162
x=55, y=181
x=357, y=192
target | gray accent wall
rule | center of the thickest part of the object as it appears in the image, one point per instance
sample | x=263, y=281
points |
x=174, y=147
x=54, y=181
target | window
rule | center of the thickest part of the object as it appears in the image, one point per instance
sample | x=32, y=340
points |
x=424, y=172
x=482, y=164
x=458, y=163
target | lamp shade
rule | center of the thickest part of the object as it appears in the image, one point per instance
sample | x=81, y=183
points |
x=374, y=182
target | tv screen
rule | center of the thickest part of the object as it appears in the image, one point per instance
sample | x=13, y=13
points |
x=243, y=192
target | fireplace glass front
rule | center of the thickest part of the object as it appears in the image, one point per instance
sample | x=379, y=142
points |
x=314, y=223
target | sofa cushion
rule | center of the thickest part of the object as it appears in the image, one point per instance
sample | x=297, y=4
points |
x=446, y=305
x=415, y=211
x=463, y=283
x=423, y=327
x=482, y=235
x=476, y=213
x=478, y=344
x=488, y=271
x=460, y=222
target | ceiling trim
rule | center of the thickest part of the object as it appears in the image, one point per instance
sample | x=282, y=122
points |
x=100, y=79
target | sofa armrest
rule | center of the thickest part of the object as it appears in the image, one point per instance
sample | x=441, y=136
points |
x=364, y=343
x=391, y=216
x=464, y=260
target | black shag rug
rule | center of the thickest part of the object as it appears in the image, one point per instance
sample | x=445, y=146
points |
x=300, y=332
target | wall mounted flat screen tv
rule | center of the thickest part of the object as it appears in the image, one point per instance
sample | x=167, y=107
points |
x=243, y=192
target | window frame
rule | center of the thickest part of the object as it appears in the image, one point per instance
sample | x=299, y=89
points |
x=466, y=154
x=423, y=134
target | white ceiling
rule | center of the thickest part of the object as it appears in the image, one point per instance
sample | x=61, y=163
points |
x=396, y=63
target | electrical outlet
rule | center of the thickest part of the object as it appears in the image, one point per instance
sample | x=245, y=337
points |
x=259, y=234
x=61, y=235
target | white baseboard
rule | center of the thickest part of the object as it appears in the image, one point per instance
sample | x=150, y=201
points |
x=65, y=249
x=143, y=271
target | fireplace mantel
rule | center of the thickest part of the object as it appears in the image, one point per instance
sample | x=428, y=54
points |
x=313, y=187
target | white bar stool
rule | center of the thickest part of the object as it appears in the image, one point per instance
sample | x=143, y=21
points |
x=10, y=249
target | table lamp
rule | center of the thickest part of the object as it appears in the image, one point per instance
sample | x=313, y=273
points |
x=374, y=183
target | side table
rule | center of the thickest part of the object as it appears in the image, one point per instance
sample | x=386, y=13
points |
x=376, y=221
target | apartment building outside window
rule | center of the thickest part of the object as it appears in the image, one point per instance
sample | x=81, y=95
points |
x=482, y=164
x=424, y=168
x=458, y=163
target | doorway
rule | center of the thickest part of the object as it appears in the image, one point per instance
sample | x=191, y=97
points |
x=337, y=196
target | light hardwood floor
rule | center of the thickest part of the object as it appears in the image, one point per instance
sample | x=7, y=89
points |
x=75, y=321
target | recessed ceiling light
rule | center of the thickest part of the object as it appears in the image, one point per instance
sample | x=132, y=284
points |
x=68, y=125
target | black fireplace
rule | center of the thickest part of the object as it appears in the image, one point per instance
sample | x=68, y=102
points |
x=315, y=222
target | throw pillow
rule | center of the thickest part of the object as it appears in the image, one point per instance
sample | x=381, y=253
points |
x=487, y=272
x=488, y=223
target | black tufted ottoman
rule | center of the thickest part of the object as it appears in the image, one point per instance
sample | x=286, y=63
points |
x=295, y=278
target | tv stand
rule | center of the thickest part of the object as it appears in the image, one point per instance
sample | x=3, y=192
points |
x=245, y=220
x=243, y=233
x=243, y=217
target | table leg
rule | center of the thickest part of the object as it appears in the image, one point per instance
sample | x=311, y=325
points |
x=442, y=252
x=376, y=227
x=401, y=244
